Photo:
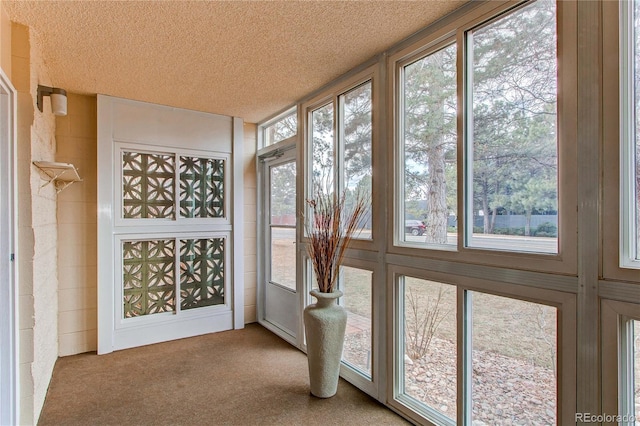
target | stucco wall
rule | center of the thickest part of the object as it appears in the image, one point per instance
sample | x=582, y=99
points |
x=37, y=228
x=77, y=218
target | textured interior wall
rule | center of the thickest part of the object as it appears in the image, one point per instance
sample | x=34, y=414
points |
x=37, y=229
x=5, y=41
x=20, y=77
x=45, y=237
x=76, y=139
x=250, y=212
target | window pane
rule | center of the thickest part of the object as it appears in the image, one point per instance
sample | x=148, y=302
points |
x=148, y=277
x=514, y=375
x=322, y=149
x=430, y=347
x=147, y=185
x=514, y=141
x=281, y=129
x=357, y=300
x=356, y=131
x=201, y=187
x=429, y=137
x=201, y=272
x=283, y=194
x=283, y=256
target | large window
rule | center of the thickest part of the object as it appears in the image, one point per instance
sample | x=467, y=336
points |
x=508, y=355
x=478, y=250
x=428, y=109
x=630, y=144
x=513, y=361
x=341, y=155
x=508, y=120
x=356, y=284
x=428, y=378
x=512, y=131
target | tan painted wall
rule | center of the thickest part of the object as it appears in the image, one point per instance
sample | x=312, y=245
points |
x=5, y=42
x=250, y=213
x=77, y=218
x=37, y=228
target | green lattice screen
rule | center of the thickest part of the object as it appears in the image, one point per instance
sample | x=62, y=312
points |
x=201, y=187
x=148, y=277
x=148, y=191
x=201, y=272
x=148, y=185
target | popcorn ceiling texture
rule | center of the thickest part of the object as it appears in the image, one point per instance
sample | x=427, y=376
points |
x=245, y=59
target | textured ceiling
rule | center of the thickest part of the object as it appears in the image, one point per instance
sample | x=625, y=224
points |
x=244, y=58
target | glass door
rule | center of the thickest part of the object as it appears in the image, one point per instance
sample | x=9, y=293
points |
x=280, y=303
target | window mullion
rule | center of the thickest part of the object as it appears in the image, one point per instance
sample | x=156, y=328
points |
x=626, y=373
x=465, y=151
x=464, y=355
x=338, y=144
x=399, y=207
x=176, y=188
x=176, y=274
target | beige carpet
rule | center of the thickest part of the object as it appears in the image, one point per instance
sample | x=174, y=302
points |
x=240, y=377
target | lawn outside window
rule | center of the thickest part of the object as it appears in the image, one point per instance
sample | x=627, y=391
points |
x=467, y=356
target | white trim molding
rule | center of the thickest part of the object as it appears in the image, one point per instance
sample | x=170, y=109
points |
x=9, y=381
x=629, y=250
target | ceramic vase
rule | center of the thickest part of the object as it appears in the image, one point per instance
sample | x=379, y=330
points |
x=324, y=324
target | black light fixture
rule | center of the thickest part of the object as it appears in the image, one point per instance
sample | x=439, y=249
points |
x=58, y=99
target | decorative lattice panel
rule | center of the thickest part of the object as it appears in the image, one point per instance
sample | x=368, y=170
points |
x=148, y=277
x=148, y=185
x=201, y=272
x=201, y=187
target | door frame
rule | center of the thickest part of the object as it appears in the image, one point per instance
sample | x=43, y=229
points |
x=286, y=147
x=9, y=383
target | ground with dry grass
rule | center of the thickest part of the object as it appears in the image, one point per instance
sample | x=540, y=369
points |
x=514, y=347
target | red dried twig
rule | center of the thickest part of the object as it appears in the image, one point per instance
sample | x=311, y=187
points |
x=330, y=230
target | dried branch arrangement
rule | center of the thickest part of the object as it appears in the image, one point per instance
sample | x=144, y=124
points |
x=330, y=229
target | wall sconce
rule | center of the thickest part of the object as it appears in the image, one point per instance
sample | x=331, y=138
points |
x=58, y=99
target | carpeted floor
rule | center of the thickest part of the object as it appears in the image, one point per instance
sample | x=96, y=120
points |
x=240, y=377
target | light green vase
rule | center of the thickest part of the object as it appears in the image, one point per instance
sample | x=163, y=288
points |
x=324, y=324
